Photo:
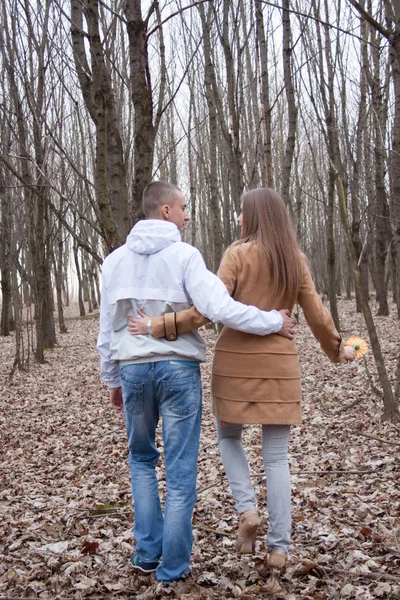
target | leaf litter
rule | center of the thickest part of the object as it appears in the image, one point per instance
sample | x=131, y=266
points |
x=65, y=497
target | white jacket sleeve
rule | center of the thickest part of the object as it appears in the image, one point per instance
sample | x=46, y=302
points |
x=210, y=296
x=109, y=371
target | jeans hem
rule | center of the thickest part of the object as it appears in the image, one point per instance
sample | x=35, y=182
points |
x=165, y=582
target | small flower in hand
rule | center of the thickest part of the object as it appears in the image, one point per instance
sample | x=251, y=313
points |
x=359, y=346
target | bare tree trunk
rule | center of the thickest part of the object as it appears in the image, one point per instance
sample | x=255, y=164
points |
x=236, y=153
x=92, y=285
x=378, y=209
x=58, y=258
x=80, y=286
x=41, y=245
x=331, y=258
x=395, y=161
x=39, y=235
x=86, y=282
x=21, y=360
x=356, y=158
x=291, y=105
x=192, y=172
x=267, y=172
x=391, y=31
x=381, y=233
x=332, y=142
x=57, y=262
x=395, y=275
x=213, y=127
x=234, y=161
x=145, y=127
x=6, y=291
x=251, y=132
x=390, y=412
x=96, y=86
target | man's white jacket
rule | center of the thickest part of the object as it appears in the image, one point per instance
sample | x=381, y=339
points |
x=157, y=272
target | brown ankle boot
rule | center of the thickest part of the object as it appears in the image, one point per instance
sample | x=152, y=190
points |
x=277, y=559
x=248, y=525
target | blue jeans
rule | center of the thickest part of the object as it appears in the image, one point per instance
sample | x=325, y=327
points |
x=172, y=389
x=275, y=440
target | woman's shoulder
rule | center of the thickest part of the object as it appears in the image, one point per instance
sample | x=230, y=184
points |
x=241, y=248
x=249, y=251
x=305, y=264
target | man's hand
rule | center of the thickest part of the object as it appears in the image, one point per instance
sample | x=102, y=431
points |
x=116, y=399
x=288, y=325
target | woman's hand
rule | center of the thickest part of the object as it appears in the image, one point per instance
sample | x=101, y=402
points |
x=348, y=353
x=138, y=326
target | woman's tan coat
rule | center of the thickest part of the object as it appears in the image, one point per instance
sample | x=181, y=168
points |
x=256, y=379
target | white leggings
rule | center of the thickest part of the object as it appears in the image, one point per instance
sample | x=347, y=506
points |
x=275, y=439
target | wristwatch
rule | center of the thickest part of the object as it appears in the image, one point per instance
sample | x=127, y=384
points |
x=149, y=330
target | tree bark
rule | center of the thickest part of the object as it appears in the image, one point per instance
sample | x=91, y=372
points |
x=81, y=303
x=267, y=168
x=142, y=97
x=6, y=291
x=214, y=203
x=381, y=213
x=96, y=87
x=291, y=106
x=331, y=258
x=392, y=33
x=395, y=158
x=390, y=412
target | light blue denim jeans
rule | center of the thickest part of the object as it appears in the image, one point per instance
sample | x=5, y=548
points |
x=171, y=389
x=275, y=440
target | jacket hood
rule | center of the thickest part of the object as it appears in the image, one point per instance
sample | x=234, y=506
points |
x=152, y=235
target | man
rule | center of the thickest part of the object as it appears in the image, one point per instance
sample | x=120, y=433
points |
x=156, y=272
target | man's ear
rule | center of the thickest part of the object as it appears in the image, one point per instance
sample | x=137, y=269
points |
x=165, y=210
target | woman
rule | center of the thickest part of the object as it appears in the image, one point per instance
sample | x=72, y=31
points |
x=256, y=380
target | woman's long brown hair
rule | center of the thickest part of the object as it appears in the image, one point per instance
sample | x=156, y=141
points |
x=266, y=221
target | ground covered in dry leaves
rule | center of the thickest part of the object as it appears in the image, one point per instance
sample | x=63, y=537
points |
x=65, y=500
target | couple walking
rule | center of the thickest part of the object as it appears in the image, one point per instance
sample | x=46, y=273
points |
x=156, y=292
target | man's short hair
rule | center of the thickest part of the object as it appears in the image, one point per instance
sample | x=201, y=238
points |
x=156, y=194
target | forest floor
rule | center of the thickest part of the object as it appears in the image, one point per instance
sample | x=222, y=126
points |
x=65, y=498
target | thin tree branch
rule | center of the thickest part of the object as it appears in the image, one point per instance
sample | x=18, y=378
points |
x=373, y=437
x=348, y=406
x=370, y=19
x=308, y=16
x=336, y=472
x=366, y=575
x=34, y=188
x=178, y=12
